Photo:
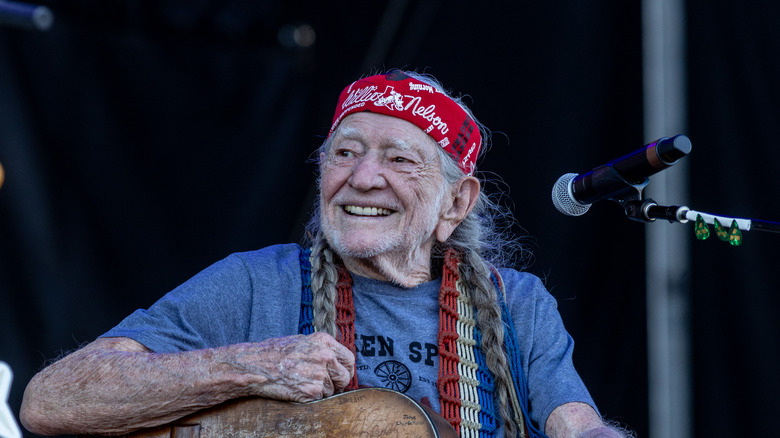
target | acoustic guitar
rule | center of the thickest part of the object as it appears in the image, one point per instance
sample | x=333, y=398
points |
x=369, y=412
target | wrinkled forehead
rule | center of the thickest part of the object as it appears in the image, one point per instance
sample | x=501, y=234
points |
x=383, y=131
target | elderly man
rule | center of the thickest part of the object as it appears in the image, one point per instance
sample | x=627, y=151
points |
x=400, y=286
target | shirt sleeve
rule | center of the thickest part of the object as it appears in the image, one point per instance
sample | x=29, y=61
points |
x=546, y=348
x=230, y=302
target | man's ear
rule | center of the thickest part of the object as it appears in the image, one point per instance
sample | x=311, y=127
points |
x=464, y=197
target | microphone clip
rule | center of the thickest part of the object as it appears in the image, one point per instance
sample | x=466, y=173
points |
x=628, y=194
x=648, y=210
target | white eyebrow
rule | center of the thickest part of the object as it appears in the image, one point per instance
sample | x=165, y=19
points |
x=349, y=132
x=400, y=144
x=352, y=133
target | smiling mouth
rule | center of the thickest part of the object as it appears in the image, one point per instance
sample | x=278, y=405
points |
x=367, y=211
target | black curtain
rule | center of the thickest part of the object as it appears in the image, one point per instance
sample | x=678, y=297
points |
x=735, y=123
x=143, y=141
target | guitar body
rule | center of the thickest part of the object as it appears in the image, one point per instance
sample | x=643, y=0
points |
x=370, y=412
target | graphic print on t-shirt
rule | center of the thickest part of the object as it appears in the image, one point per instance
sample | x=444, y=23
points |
x=393, y=367
x=394, y=375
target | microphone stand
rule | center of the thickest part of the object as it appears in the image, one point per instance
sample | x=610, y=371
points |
x=648, y=211
x=629, y=196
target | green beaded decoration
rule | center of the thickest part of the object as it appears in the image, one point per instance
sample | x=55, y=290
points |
x=735, y=234
x=721, y=232
x=702, y=230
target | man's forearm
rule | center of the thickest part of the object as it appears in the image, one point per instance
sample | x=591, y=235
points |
x=103, y=390
x=579, y=420
x=116, y=385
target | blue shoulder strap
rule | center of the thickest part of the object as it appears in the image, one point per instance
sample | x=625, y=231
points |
x=515, y=366
x=305, y=322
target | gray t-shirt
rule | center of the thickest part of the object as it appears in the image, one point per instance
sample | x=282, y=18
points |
x=253, y=296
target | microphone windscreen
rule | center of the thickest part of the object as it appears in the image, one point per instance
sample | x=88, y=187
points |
x=563, y=199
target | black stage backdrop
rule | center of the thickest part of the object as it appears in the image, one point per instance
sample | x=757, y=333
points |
x=143, y=141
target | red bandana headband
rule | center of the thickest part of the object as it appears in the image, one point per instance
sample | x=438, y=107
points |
x=398, y=95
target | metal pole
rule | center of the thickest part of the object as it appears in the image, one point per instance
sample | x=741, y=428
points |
x=667, y=248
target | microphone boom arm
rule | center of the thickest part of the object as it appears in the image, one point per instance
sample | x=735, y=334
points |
x=648, y=211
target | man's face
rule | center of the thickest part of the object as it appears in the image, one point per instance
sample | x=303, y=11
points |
x=381, y=189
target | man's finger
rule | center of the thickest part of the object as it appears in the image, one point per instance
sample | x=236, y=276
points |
x=340, y=376
x=343, y=355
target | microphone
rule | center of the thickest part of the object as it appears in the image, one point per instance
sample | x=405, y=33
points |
x=25, y=15
x=573, y=194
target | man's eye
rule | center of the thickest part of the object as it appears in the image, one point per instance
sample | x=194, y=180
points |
x=401, y=160
x=345, y=153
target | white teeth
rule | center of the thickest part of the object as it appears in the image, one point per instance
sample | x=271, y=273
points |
x=366, y=211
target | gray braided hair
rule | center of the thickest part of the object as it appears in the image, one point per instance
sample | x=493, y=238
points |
x=483, y=239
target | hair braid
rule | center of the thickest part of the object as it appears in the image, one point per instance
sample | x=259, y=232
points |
x=324, y=276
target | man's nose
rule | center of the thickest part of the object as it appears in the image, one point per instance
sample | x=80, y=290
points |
x=368, y=173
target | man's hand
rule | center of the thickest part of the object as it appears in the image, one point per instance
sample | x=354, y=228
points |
x=295, y=368
x=116, y=385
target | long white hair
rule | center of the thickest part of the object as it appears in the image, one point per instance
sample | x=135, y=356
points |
x=484, y=240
